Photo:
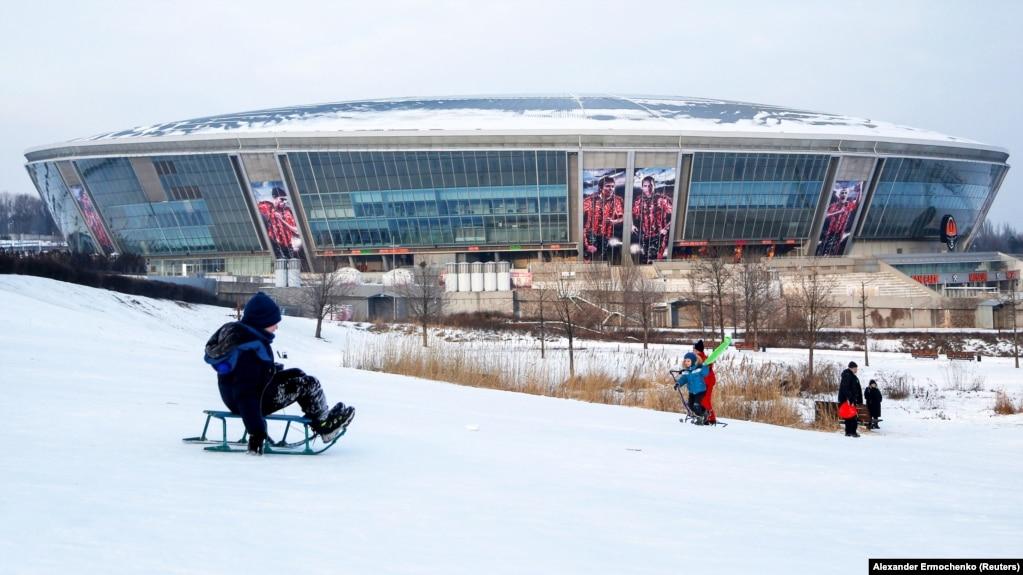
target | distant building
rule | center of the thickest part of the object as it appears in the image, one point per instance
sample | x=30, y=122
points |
x=387, y=183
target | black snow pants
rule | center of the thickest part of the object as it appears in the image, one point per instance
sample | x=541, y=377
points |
x=696, y=403
x=293, y=385
x=850, y=426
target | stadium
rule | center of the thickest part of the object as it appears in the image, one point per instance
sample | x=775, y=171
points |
x=660, y=181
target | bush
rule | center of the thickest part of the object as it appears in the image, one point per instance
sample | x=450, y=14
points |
x=1004, y=405
x=81, y=269
x=893, y=385
x=477, y=320
x=962, y=377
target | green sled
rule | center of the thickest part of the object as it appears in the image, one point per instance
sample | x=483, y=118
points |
x=718, y=350
x=310, y=444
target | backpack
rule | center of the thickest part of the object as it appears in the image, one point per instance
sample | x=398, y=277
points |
x=224, y=363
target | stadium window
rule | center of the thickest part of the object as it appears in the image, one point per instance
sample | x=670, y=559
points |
x=165, y=167
x=185, y=192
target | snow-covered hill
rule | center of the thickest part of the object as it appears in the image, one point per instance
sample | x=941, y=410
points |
x=98, y=388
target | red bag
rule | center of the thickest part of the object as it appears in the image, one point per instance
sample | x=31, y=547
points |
x=846, y=411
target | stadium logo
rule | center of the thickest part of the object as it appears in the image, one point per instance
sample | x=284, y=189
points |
x=949, y=232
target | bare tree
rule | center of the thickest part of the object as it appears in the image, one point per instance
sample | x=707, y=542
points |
x=759, y=299
x=639, y=295
x=709, y=280
x=863, y=319
x=991, y=239
x=541, y=297
x=566, y=292
x=321, y=296
x=424, y=296
x=813, y=296
x=1012, y=300
x=24, y=214
x=603, y=291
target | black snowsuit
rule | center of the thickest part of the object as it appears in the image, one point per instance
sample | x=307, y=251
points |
x=849, y=390
x=256, y=386
x=873, y=396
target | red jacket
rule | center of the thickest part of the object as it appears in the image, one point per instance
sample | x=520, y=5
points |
x=711, y=379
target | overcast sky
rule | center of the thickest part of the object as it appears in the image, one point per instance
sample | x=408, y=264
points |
x=73, y=69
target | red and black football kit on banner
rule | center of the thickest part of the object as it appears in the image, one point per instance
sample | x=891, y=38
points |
x=835, y=222
x=651, y=216
x=280, y=227
x=600, y=215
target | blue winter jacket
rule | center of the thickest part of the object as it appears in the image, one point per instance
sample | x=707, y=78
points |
x=693, y=377
x=243, y=359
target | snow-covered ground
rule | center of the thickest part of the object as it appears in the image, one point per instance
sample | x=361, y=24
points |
x=98, y=388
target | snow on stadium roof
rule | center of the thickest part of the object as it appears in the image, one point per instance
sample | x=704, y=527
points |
x=528, y=114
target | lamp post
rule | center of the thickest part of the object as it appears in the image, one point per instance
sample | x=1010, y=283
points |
x=394, y=300
x=863, y=317
x=1012, y=301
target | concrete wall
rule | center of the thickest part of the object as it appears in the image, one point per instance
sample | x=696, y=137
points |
x=240, y=291
x=472, y=302
x=865, y=248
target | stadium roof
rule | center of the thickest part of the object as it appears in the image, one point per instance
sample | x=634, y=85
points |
x=540, y=114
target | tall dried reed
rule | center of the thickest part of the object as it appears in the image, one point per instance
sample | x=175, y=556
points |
x=747, y=389
x=1004, y=404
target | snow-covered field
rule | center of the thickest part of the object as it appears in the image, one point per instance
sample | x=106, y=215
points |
x=98, y=388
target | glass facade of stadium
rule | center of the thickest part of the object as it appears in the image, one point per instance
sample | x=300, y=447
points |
x=234, y=211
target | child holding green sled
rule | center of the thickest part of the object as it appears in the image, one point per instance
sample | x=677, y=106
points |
x=693, y=374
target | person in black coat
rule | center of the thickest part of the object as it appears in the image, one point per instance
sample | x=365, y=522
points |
x=253, y=386
x=849, y=390
x=873, y=397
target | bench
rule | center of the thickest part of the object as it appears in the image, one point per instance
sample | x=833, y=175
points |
x=924, y=353
x=745, y=346
x=964, y=355
x=828, y=410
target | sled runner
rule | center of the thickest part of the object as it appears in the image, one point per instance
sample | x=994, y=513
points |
x=308, y=445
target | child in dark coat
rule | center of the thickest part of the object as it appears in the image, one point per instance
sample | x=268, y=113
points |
x=253, y=386
x=873, y=397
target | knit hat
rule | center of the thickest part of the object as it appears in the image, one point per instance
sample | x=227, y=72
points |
x=852, y=364
x=691, y=357
x=261, y=312
x=698, y=346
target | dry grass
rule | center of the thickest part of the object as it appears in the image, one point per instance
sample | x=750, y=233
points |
x=765, y=392
x=827, y=420
x=962, y=377
x=1004, y=404
x=893, y=384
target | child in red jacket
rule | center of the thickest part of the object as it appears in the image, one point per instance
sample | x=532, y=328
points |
x=710, y=380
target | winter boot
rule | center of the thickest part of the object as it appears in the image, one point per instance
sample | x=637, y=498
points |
x=335, y=422
x=255, y=446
